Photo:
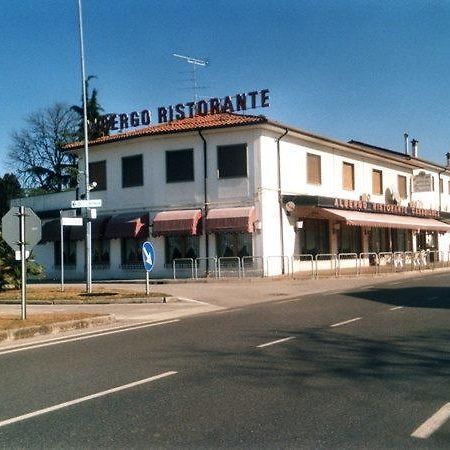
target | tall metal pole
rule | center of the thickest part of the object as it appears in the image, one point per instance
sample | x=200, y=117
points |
x=86, y=158
x=61, y=234
x=23, y=262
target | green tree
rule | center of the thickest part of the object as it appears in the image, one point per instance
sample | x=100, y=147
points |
x=36, y=153
x=9, y=189
x=94, y=114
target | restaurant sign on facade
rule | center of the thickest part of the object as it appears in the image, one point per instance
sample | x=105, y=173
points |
x=359, y=205
x=214, y=105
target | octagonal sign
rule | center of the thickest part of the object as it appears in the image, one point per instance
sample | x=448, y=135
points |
x=11, y=228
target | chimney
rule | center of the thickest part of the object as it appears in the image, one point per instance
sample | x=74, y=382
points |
x=415, y=148
x=448, y=159
x=405, y=135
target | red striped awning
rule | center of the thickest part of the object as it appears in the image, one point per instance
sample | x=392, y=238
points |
x=181, y=222
x=130, y=225
x=364, y=219
x=231, y=220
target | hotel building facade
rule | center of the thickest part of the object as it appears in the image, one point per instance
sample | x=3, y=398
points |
x=245, y=188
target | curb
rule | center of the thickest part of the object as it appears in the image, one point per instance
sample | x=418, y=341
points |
x=38, y=330
x=122, y=301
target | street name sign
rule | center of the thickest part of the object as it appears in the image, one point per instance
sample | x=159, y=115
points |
x=11, y=228
x=92, y=203
x=72, y=221
x=148, y=256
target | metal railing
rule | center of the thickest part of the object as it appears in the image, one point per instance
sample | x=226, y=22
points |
x=308, y=265
x=302, y=264
x=325, y=269
x=185, y=265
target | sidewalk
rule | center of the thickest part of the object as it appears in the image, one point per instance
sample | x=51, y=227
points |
x=192, y=298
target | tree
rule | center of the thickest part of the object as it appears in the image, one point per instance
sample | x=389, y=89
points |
x=9, y=189
x=94, y=110
x=37, y=153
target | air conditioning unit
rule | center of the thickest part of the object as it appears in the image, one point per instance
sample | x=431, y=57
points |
x=365, y=197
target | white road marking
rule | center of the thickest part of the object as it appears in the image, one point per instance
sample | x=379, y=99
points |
x=396, y=307
x=193, y=301
x=344, y=323
x=395, y=283
x=40, y=412
x=81, y=337
x=433, y=423
x=276, y=342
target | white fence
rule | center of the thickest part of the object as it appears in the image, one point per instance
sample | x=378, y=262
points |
x=308, y=265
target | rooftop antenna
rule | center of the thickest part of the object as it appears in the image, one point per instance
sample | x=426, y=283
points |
x=195, y=62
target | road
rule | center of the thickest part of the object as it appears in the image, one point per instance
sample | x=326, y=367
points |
x=358, y=369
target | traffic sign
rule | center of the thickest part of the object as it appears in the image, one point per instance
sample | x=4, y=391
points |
x=148, y=256
x=92, y=203
x=72, y=221
x=11, y=228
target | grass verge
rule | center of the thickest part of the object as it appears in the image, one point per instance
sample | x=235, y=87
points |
x=9, y=322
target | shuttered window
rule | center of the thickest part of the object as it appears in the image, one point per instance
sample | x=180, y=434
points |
x=449, y=186
x=348, y=176
x=441, y=185
x=377, y=182
x=313, y=169
x=401, y=180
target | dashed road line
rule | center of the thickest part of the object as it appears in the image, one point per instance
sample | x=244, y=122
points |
x=396, y=307
x=40, y=412
x=433, y=423
x=275, y=342
x=345, y=322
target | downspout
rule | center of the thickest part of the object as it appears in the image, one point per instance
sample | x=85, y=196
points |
x=205, y=196
x=280, y=200
x=440, y=172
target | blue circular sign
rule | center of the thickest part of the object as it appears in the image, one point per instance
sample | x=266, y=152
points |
x=148, y=256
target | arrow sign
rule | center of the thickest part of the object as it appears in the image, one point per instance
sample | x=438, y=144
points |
x=92, y=203
x=148, y=256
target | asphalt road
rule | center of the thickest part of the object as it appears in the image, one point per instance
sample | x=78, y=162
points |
x=360, y=369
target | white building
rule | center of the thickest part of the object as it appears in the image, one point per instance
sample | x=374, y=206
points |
x=227, y=185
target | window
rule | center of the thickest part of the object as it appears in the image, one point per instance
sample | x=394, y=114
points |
x=401, y=181
x=232, y=161
x=179, y=165
x=70, y=253
x=100, y=252
x=131, y=251
x=313, y=169
x=132, y=171
x=448, y=186
x=377, y=182
x=348, y=176
x=441, y=185
x=181, y=247
x=314, y=237
x=349, y=239
x=97, y=173
x=234, y=244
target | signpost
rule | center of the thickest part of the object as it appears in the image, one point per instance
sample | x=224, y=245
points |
x=149, y=259
x=22, y=230
x=66, y=221
x=92, y=203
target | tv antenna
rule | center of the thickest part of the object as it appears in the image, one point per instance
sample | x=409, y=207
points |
x=195, y=62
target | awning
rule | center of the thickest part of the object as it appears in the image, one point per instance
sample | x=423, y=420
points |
x=51, y=231
x=231, y=220
x=182, y=222
x=98, y=226
x=363, y=219
x=130, y=225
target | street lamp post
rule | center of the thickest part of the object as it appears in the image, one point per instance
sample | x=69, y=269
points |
x=86, y=158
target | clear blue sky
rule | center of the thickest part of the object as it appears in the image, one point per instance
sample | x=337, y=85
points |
x=367, y=70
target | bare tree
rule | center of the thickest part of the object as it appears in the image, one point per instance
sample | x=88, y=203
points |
x=36, y=153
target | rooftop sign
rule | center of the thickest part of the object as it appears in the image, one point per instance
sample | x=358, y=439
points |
x=214, y=105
